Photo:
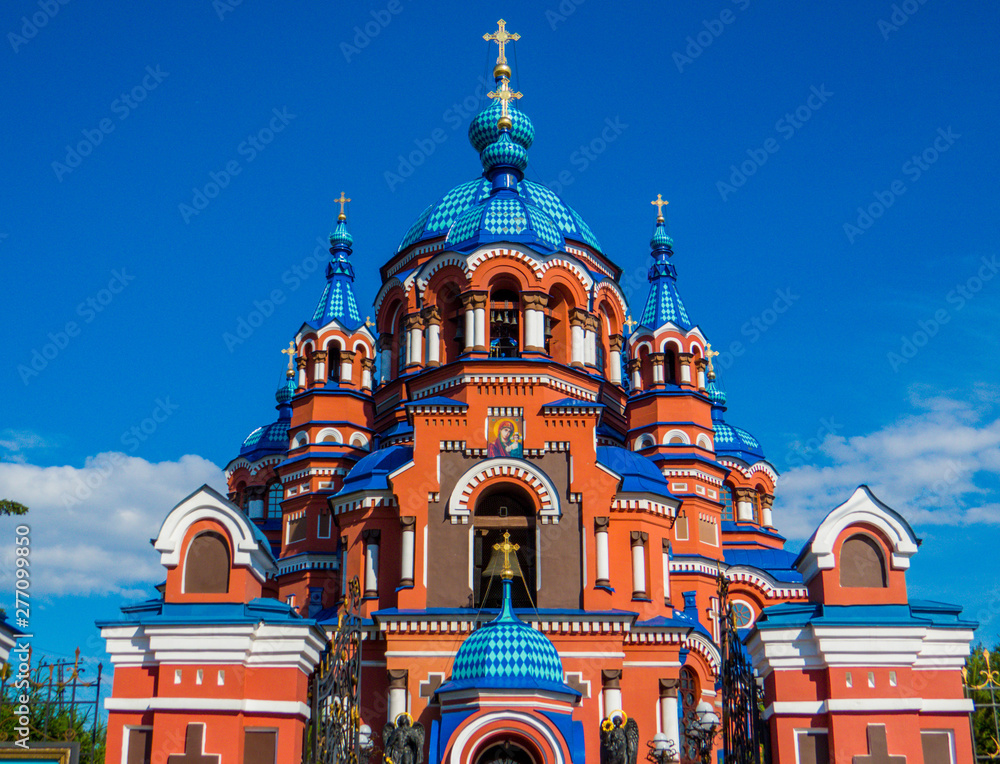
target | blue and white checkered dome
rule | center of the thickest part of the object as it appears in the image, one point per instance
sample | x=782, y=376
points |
x=483, y=129
x=507, y=653
x=272, y=438
x=734, y=441
x=505, y=216
x=285, y=392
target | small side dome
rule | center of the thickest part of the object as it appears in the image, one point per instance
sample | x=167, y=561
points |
x=734, y=441
x=269, y=439
x=285, y=393
x=483, y=129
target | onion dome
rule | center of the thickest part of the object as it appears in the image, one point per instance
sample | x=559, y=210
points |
x=715, y=393
x=730, y=440
x=507, y=653
x=338, y=302
x=664, y=304
x=504, y=153
x=483, y=129
x=506, y=216
x=272, y=438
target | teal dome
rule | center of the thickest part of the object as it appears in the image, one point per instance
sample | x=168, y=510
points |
x=505, y=216
x=483, y=129
x=285, y=392
x=438, y=218
x=507, y=653
x=504, y=152
x=716, y=395
x=340, y=236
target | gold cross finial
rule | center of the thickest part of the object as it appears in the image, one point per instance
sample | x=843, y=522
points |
x=341, y=201
x=505, y=94
x=506, y=547
x=290, y=351
x=368, y=322
x=709, y=355
x=630, y=322
x=501, y=37
x=659, y=203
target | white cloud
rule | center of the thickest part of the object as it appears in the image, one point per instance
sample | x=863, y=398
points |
x=936, y=466
x=16, y=442
x=91, y=526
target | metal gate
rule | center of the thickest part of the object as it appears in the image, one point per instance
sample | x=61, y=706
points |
x=745, y=734
x=335, y=691
x=982, y=684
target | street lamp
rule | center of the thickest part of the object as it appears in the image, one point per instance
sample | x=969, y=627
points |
x=702, y=727
x=365, y=737
x=661, y=750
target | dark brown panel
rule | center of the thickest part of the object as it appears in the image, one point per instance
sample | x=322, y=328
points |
x=206, y=570
x=140, y=746
x=814, y=748
x=260, y=746
x=937, y=747
x=861, y=564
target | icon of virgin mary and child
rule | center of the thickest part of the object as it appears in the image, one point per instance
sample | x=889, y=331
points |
x=505, y=438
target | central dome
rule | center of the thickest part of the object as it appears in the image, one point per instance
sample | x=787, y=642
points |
x=505, y=217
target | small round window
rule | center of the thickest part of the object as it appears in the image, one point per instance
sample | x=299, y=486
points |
x=742, y=614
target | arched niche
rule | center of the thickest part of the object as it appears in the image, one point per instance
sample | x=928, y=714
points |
x=207, y=565
x=862, y=563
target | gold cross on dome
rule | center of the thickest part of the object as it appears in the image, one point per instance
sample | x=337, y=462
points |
x=709, y=355
x=505, y=94
x=506, y=547
x=290, y=351
x=630, y=322
x=368, y=322
x=659, y=203
x=501, y=37
x=341, y=201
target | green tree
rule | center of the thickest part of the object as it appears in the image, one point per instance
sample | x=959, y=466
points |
x=9, y=507
x=982, y=681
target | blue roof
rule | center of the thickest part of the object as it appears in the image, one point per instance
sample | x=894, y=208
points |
x=664, y=302
x=272, y=438
x=916, y=613
x=507, y=653
x=338, y=302
x=437, y=219
x=505, y=216
x=437, y=400
x=777, y=563
x=372, y=472
x=734, y=441
x=158, y=612
x=566, y=403
x=638, y=474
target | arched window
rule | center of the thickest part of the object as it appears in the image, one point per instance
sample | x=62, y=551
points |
x=400, y=341
x=333, y=362
x=206, y=569
x=726, y=494
x=690, y=695
x=505, y=324
x=504, y=509
x=599, y=341
x=449, y=300
x=670, y=366
x=862, y=564
x=557, y=327
x=275, y=493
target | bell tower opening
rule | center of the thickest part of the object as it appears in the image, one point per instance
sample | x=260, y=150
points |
x=505, y=322
x=500, y=509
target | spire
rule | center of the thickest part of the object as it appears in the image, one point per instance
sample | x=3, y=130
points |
x=504, y=155
x=664, y=302
x=338, y=301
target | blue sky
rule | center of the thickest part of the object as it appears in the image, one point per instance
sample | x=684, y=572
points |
x=831, y=170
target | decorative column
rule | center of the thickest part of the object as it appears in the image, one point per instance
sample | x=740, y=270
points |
x=367, y=372
x=744, y=504
x=479, y=300
x=303, y=381
x=657, y=360
x=385, y=357
x=415, y=340
x=638, y=540
x=432, y=321
x=578, y=324
x=766, y=501
x=397, y=692
x=590, y=341
x=611, y=689
x=255, y=501
x=409, y=526
x=701, y=365
x=347, y=367
x=615, y=362
x=601, y=525
x=666, y=572
x=469, y=315
x=669, y=717
x=685, y=359
x=371, y=541
x=635, y=371
x=319, y=367
x=534, y=304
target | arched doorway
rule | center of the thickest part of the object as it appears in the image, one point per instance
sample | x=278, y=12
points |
x=505, y=752
x=499, y=509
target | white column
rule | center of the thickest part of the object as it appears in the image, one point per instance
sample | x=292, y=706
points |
x=601, y=544
x=638, y=539
x=666, y=571
x=371, y=540
x=612, y=700
x=397, y=693
x=589, y=347
x=744, y=508
x=480, y=327
x=303, y=379
x=577, y=345
x=636, y=379
x=470, y=328
x=766, y=518
x=434, y=344
x=320, y=371
x=669, y=720
x=406, y=552
x=346, y=371
x=615, y=372
x=366, y=375
x=685, y=359
x=701, y=378
x=416, y=345
x=657, y=373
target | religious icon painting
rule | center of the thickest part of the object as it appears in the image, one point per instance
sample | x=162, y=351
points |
x=504, y=435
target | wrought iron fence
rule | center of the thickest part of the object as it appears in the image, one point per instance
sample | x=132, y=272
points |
x=982, y=684
x=60, y=702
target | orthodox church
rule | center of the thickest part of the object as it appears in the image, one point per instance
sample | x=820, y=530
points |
x=552, y=522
